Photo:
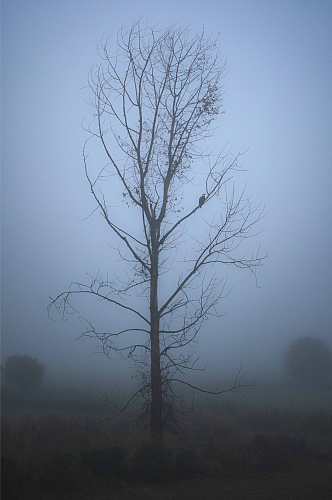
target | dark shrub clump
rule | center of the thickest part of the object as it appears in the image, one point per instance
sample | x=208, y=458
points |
x=152, y=462
x=105, y=462
x=188, y=464
x=276, y=452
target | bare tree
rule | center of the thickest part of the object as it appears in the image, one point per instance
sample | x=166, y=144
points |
x=154, y=101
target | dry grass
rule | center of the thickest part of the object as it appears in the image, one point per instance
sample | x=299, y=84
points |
x=236, y=449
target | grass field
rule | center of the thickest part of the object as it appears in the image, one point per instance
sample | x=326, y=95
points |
x=56, y=447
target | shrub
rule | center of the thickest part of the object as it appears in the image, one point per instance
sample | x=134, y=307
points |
x=277, y=452
x=265, y=453
x=105, y=462
x=188, y=463
x=152, y=462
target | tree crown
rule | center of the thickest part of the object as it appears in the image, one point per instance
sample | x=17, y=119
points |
x=308, y=360
x=24, y=372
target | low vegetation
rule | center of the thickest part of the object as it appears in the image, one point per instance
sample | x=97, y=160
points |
x=79, y=453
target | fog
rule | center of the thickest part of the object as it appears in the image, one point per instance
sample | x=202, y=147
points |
x=278, y=109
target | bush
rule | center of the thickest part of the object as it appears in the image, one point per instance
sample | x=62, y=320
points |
x=277, y=452
x=308, y=361
x=265, y=453
x=188, y=464
x=23, y=372
x=105, y=462
x=152, y=462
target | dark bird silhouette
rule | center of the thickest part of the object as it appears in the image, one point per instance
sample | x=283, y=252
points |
x=201, y=201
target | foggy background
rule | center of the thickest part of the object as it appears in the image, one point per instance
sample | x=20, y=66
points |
x=278, y=104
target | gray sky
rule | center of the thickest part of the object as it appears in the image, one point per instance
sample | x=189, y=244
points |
x=278, y=104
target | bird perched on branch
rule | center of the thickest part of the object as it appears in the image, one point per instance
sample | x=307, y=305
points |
x=201, y=201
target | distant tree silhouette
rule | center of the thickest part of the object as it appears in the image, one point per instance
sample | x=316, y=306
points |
x=308, y=361
x=23, y=372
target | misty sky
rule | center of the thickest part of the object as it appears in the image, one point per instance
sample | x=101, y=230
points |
x=278, y=106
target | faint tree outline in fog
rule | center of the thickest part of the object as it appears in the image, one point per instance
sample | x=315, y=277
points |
x=154, y=101
x=308, y=360
x=23, y=372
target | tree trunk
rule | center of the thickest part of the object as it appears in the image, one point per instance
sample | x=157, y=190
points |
x=156, y=385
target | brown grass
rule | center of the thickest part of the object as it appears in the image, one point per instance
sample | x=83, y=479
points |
x=239, y=452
